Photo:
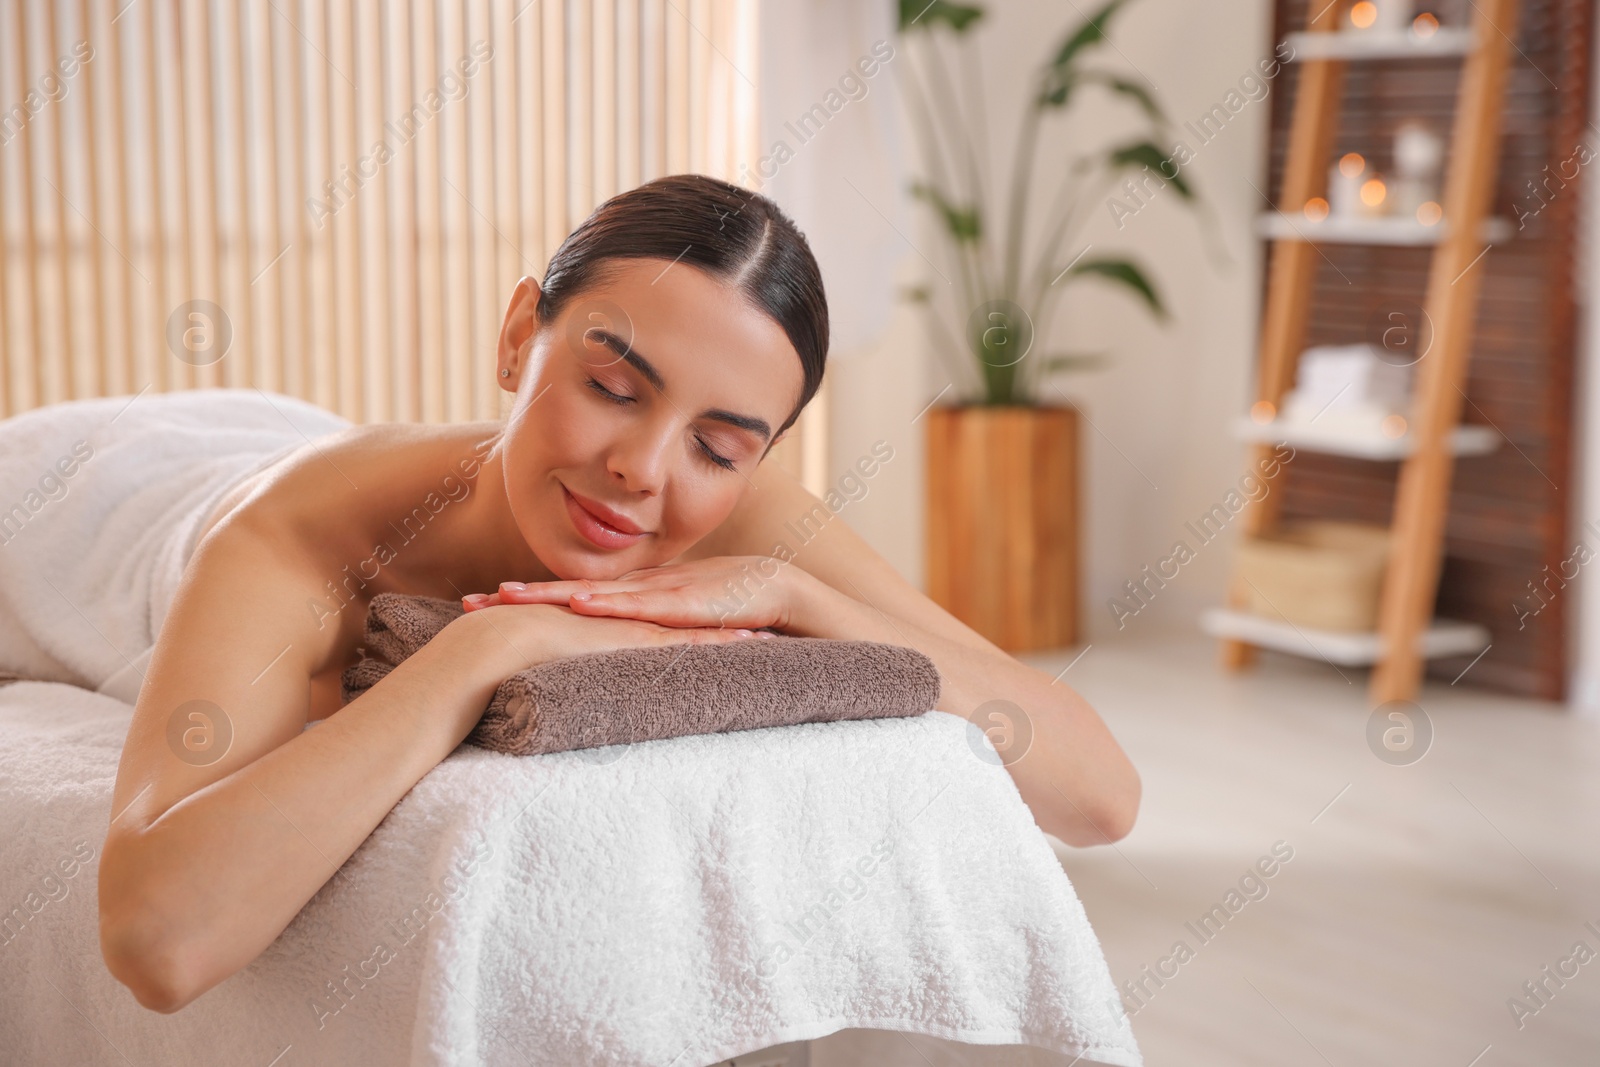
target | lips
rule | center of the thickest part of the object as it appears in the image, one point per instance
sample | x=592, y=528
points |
x=599, y=524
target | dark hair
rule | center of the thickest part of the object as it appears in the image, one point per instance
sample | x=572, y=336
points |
x=737, y=236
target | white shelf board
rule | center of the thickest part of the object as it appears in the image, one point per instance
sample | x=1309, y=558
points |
x=1464, y=440
x=1383, y=230
x=1444, y=637
x=1375, y=44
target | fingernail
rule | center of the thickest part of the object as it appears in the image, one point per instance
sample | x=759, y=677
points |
x=476, y=599
x=580, y=596
x=767, y=636
x=743, y=633
x=513, y=587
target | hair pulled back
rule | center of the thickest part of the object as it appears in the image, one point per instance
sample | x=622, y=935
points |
x=737, y=236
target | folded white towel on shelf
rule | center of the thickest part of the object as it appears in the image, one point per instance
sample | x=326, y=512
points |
x=674, y=902
x=671, y=903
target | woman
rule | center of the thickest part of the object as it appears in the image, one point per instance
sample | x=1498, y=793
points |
x=677, y=335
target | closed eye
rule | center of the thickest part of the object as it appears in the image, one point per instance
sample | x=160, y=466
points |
x=722, y=461
x=608, y=394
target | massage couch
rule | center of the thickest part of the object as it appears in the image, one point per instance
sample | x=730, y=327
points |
x=825, y=894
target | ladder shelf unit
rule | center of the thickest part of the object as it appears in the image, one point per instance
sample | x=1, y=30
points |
x=1406, y=633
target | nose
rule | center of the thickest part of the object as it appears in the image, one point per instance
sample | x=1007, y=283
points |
x=639, y=459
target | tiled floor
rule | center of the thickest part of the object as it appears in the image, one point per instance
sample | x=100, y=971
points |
x=1418, y=900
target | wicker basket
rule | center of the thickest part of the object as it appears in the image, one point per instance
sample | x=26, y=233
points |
x=1320, y=575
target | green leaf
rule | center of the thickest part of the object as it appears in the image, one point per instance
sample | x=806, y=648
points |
x=1146, y=154
x=1091, y=32
x=916, y=14
x=1056, y=90
x=962, y=222
x=1122, y=272
x=1060, y=77
x=1138, y=90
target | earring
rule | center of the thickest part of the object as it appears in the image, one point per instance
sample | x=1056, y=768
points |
x=504, y=373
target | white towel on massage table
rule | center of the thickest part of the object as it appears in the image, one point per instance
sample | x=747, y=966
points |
x=674, y=902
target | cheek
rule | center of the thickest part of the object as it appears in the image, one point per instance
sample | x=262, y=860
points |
x=570, y=424
x=696, y=506
x=558, y=430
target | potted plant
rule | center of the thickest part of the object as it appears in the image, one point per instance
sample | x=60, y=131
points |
x=1003, y=484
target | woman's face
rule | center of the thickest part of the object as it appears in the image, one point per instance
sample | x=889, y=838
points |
x=651, y=399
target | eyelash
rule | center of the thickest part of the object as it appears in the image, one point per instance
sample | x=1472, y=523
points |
x=720, y=461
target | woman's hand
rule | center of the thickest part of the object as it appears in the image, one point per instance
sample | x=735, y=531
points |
x=722, y=591
x=509, y=638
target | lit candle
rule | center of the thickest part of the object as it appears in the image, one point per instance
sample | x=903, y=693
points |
x=1381, y=16
x=1373, y=194
x=1418, y=158
x=1344, y=185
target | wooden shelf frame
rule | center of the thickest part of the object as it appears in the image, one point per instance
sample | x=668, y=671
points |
x=1423, y=490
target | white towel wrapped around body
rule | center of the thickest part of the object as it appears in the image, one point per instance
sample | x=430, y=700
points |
x=671, y=903
x=101, y=502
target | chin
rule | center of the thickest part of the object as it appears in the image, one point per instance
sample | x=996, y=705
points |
x=570, y=557
x=571, y=566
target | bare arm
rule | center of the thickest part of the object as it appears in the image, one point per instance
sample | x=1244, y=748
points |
x=1073, y=775
x=205, y=863
x=1068, y=768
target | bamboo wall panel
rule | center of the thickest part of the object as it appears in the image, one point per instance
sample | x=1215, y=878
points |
x=354, y=186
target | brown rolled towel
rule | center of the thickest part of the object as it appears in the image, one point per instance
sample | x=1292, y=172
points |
x=640, y=694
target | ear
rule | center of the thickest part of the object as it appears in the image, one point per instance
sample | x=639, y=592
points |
x=521, y=322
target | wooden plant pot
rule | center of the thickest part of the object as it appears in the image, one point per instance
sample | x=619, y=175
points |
x=1002, y=529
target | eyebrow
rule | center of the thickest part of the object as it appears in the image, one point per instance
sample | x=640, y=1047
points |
x=653, y=376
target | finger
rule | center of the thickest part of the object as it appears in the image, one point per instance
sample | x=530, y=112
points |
x=702, y=635
x=605, y=604
x=662, y=606
x=474, y=601
x=542, y=592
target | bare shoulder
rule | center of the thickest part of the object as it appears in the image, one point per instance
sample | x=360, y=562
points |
x=780, y=517
x=254, y=637
x=346, y=473
x=374, y=450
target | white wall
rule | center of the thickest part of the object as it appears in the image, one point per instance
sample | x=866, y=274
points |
x=843, y=185
x=1167, y=397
